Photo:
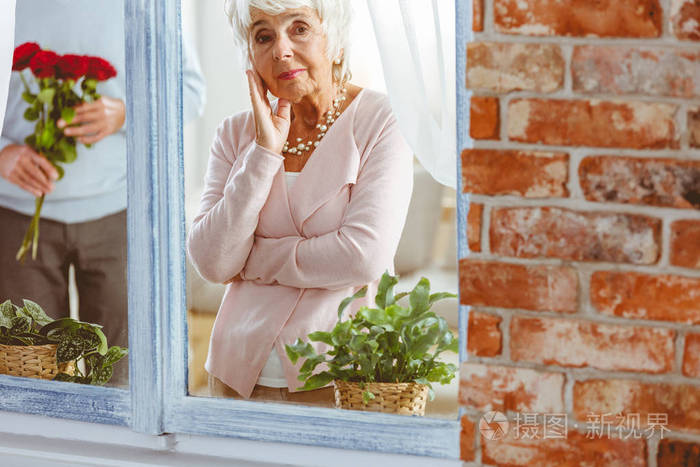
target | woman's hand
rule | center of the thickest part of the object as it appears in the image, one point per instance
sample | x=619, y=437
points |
x=96, y=120
x=271, y=130
x=28, y=170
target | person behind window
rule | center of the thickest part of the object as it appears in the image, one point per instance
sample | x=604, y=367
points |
x=305, y=197
x=84, y=214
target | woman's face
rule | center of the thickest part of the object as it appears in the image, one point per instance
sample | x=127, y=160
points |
x=289, y=52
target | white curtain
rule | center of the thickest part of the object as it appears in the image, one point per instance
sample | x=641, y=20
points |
x=416, y=41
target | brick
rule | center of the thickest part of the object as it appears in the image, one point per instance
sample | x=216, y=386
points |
x=483, y=334
x=638, y=180
x=679, y=402
x=685, y=19
x=477, y=15
x=643, y=296
x=474, y=226
x=638, y=125
x=685, y=243
x=576, y=343
x=576, y=449
x=677, y=453
x=502, y=388
x=466, y=439
x=484, y=120
x=538, y=288
x=694, y=127
x=534, y=232
x=580, y=18
x=625, y=70
x=531, y=174
x=691, y=356
x=509, y=66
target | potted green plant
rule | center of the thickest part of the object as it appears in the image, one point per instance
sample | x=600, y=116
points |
x=380, y=359
x=34, y=345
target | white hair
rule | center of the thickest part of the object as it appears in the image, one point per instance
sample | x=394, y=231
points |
x=336, y=18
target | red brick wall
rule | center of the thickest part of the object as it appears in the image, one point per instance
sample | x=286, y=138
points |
x=583, y=277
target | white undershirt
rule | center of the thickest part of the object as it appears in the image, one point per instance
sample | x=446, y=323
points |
x=272, y=374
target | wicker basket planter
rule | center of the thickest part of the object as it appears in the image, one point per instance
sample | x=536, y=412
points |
x=396, y=398
x=32, y=361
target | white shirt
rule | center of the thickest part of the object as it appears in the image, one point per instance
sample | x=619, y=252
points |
x=7, y=41
x=272, y=374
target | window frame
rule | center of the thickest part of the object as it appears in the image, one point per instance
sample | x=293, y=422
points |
x=253, y=420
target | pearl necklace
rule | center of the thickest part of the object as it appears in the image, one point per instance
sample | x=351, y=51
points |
x=301, y=147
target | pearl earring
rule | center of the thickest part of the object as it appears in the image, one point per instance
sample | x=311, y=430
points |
x=337, y=61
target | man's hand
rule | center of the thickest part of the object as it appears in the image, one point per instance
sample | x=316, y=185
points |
x=28, y=170
x=95, y=120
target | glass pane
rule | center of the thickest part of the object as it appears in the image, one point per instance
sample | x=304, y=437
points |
x=63, y=193
x=306, y=203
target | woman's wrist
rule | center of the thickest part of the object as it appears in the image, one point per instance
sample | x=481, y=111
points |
x=276, y=148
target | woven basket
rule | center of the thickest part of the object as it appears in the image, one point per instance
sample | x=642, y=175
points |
x=396, y=398
x=32, y=361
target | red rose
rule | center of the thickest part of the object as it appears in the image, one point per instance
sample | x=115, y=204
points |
x=23, y=54
x=43, y=64
x=100, y=69
x=71, y=66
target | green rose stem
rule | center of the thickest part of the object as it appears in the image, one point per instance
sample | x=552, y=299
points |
x=31, y=237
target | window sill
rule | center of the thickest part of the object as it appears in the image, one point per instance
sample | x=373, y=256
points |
x=43, y=441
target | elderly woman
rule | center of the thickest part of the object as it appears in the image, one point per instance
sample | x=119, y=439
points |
x=305, y=197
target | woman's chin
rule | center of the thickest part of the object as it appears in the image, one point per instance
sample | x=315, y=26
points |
x=294, y=99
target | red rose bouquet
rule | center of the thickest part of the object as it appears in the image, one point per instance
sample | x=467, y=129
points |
x=52, y=98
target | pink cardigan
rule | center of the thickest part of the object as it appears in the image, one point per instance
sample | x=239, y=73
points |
x=301, y=253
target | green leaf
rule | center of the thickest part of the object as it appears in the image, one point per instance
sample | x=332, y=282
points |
x=385, y=290
x=59, y=169
x=68, y=350
x=20, y=324
x=31, y=141
x=440, y=295
x=45, y=96
x=311, y=363
x=373, y=315
x=64, y=377
x=102, y=346
x=419, y=296
x=37, y=313
x=357, y=342
x=66, y=151
x=321, y=336
x=7, y=312
x=28, y=97
x=346, y=301
x=399, y=296
x=100, y=376
x=317, y=381
x=31, y=114
x=89, y=84
x=67, y=114
x=299, y=349
x=340, y=335
x=47, y=136
x=94, y=360
x=59, y=324
x=367, y=396
x=114, y=354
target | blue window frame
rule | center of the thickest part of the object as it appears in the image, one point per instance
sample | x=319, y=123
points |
x=157, y=401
